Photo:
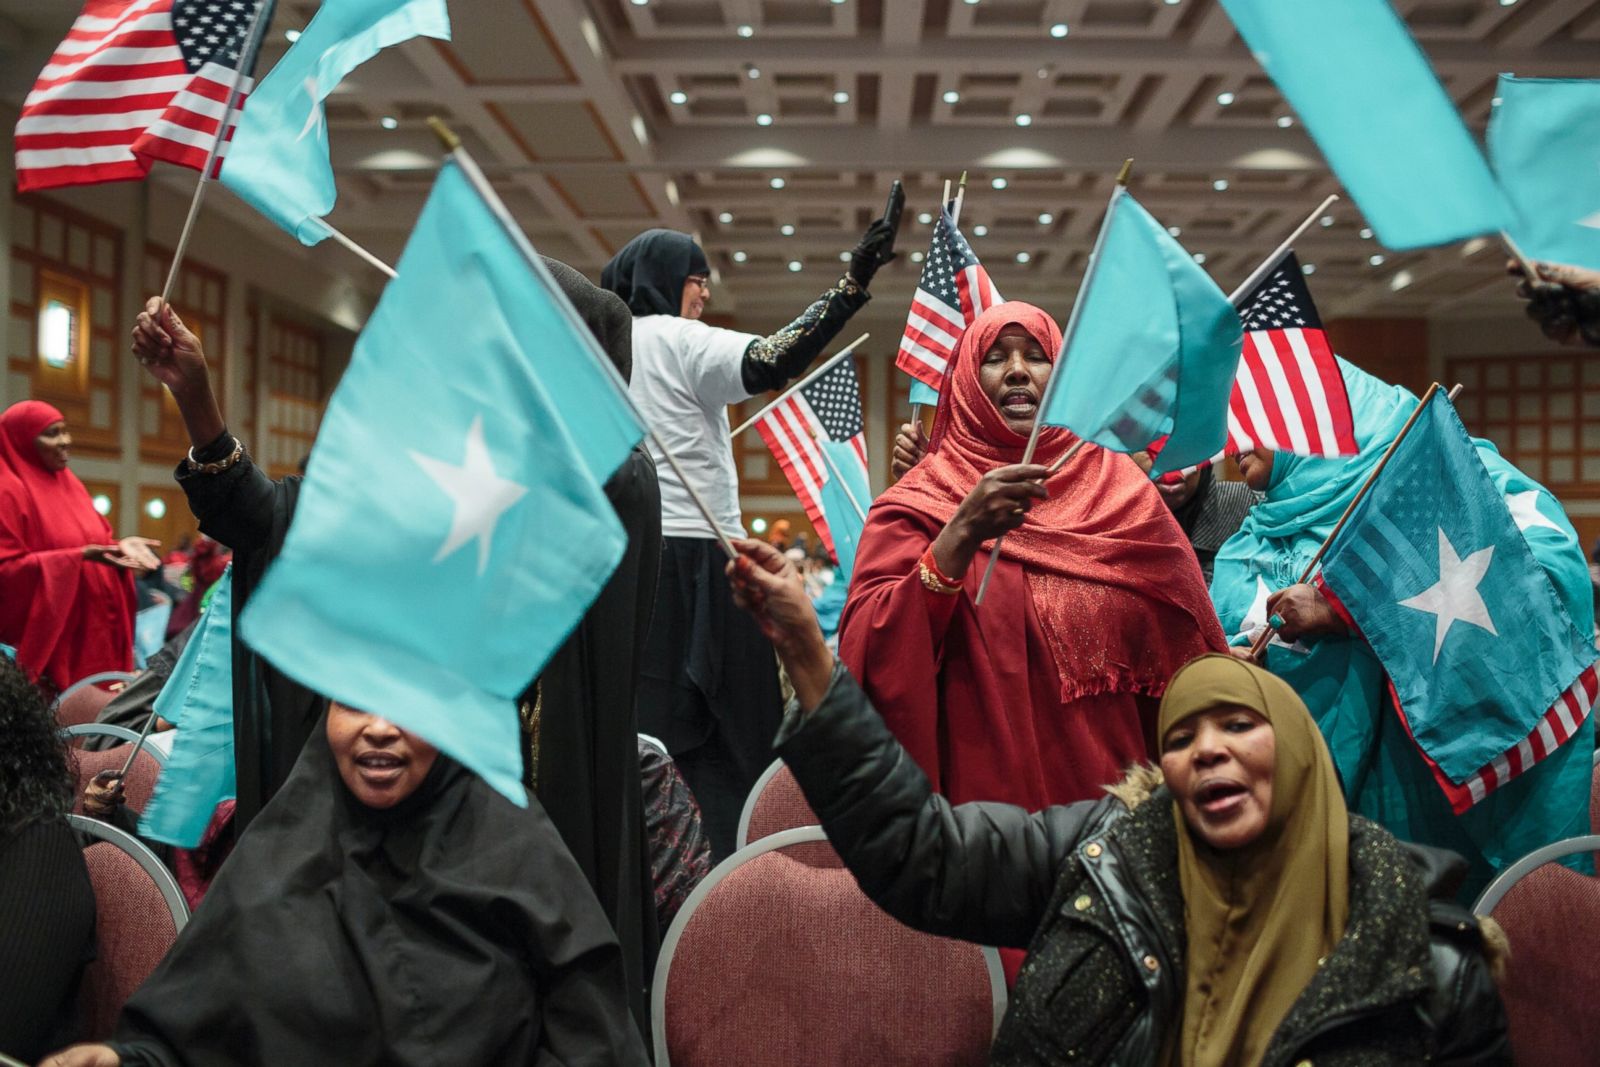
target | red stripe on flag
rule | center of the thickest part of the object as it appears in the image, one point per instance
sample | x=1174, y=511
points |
x=1261, y=350
x=1333, y=387
x=1304, y=410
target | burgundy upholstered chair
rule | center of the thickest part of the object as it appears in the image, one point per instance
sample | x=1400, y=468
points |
x=81, y=701
x=775, y=803
x=1551, y=916
x=138, y=914
x=779, y=958
x=141, y=782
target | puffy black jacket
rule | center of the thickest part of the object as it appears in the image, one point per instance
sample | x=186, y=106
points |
x=1091, y=890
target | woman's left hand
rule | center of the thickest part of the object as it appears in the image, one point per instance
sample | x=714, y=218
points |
x=135, y=554
x=103, y=795
x=767, y=585
x=1305, y=613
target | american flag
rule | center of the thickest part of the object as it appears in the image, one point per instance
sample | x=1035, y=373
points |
x=954, y=289
x=829, y=407
x=1288, y=395
x=134, y=81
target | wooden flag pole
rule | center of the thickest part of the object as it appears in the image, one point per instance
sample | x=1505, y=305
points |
x=833, y=469
x=827, y=366
x=1117, y=193
x=247, y=54
x=961, y=196
x=1268, y=265
x=470, y=170
x=1260, y=642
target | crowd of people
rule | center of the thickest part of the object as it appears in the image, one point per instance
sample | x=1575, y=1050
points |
x=1188, y=855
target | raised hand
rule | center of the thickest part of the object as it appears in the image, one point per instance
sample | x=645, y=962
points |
x=909, y=445
x=768, y=585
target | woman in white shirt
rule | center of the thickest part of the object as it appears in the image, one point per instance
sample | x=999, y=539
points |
x=709, y=682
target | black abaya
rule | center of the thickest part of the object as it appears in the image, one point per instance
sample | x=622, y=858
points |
x=454, y=928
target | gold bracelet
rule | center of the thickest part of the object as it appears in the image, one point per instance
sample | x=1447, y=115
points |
x=218, y=466
x=933, y=583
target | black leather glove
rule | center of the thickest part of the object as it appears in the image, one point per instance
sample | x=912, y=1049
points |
x=1587, y=305
x=875, y=248
x=1552, y=307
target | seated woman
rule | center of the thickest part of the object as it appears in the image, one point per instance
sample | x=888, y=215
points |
x=386, y=907
x=1226, y=910
x=1339, y=677
x=1048, y=690
x=46, y=901
x=66, y=594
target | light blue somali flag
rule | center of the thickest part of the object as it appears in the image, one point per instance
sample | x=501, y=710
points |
x=198, y=700
x=924, y=394
x=1544, y=141
x=1387, y=127
x=278, y=160
x=1153, y=350
x=452, y=528
x=839, y=507
x=1489, y=669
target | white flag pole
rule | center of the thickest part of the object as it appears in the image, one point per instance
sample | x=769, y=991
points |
x=833, y=469
x=831, y=362
x=1270, y=264
x=247, y=55
x=1117, y=193
x=358, y=250
x=470, y=170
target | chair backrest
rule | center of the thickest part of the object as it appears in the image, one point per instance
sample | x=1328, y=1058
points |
x=775, y=803
x=75, y=734
x=777, y=961
x=81, y=701
x=1551, y=916
x=139, y=912
x=136, y=789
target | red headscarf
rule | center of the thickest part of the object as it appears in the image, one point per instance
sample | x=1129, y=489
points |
x=63, y=516
x=1113, y=581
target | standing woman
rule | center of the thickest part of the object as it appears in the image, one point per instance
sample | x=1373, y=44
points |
x=66, y=594
x=709, y=682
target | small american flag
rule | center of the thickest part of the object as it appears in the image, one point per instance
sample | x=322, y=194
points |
x=828, y=407
x=134, y=81
x=954, y=289
x=1288, y=395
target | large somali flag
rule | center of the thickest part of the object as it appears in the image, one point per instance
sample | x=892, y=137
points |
x=1544, y=140
x=452, y=528
x=1490, y=672
x=278, y=159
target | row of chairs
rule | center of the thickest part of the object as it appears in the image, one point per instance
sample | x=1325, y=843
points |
x=780, y=931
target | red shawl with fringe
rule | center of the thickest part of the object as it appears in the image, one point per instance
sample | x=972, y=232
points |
x=1048, y=691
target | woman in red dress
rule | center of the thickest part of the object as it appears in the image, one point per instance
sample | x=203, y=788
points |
x=1049, y=689
x=66, y=581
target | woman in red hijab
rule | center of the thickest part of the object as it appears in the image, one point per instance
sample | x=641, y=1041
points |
x=1049, y=690
x=66, y=591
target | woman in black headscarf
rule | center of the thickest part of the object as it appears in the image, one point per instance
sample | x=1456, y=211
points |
x=709, y=685
x=387, y=907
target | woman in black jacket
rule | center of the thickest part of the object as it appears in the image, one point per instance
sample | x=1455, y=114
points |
x=1226, y=910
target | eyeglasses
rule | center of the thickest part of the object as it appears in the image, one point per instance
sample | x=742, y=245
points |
x=698, y=279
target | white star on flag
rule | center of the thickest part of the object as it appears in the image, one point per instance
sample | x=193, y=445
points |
x=1525, y=511
x=1455, y=597
x=479, y=494
x=315, y=118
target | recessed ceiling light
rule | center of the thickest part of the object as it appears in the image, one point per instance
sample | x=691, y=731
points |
x=1200, y=258
x=1308, y=268
x=1474, y=246
x=1326, y=221
x=777, y=183
x=389, y=122
x=746, y=31
x=1285, y=121
x=925, y=218
x=980, y=231
x=997, y=183
x=795, y=265
x=1376, y=259
x=1507, y=3
x=1220, y=185
x=841, y=97
x=916, y=257
x=1174, y=231
x=1400, y=281
x=763, y=119
x=1225, y=99
x=291, y=36
x=1059, y=30
x=973, y=3
x=725, y=218
x=787, y=229
x=1023, y=257
x=845, y=257
x=740, y=257
x=1045, y=218
x=1024, y=120
x=754, y=72
x=1366, y=233
x=1172, y=3
x=951, y=96
x=679, y=97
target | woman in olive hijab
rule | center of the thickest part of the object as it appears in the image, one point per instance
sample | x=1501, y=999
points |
x=1225, y=910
